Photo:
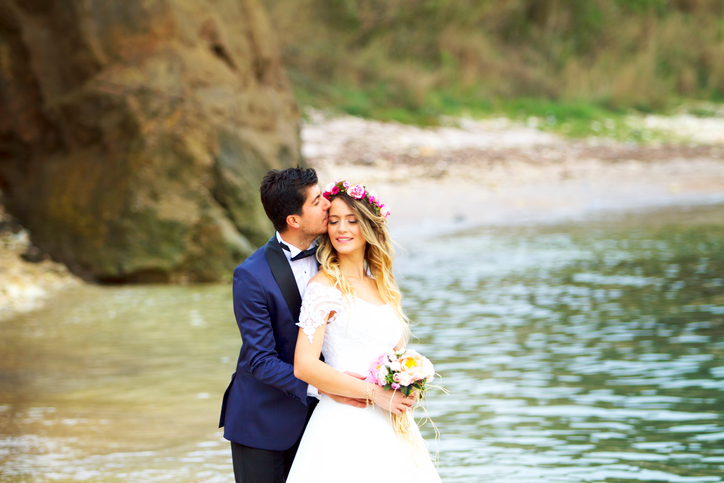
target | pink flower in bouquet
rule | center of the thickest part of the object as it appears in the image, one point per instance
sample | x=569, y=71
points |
x=374, y=369
x=377, y=373
x=403, y=378
x=357, y=191
x=372, y=375
x=417, y=367
x=410, y=361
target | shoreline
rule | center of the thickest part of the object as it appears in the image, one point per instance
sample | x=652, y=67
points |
x=447, y=179
x=496, y=172
x=26, y=285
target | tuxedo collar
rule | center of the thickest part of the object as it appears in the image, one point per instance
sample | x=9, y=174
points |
x=291, y=251
x=279, y=265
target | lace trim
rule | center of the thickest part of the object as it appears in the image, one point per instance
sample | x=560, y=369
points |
x=319, y=300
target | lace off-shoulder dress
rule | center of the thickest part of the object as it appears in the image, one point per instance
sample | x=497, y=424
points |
x=343, y=443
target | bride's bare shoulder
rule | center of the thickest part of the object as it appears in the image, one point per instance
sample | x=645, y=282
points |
x=323, y=279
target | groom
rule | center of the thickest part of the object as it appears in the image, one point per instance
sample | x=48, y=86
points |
x=265, y=408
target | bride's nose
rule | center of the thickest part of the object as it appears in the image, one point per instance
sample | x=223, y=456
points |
x=347, y=225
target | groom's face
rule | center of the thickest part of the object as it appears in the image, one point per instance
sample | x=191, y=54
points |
x=313, y=221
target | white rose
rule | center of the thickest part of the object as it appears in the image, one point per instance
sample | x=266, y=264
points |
x=403, y=378
x=382, y=374
x=427, y=368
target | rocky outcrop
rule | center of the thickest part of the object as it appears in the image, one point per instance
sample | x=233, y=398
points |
x=134, y=133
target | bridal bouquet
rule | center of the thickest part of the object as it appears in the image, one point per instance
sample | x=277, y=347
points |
x=405, y=371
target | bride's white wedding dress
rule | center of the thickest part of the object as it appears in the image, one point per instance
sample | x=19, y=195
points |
x=343, y=443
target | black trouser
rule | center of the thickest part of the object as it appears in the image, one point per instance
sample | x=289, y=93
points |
x=254, y=465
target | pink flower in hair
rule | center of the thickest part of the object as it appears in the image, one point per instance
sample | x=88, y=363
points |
x=357, y=191
x=346, y=186
x=384, y=210
x=327, y=195
x=335, y=190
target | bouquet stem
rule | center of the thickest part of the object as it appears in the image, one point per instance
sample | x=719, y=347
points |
x=406, y=428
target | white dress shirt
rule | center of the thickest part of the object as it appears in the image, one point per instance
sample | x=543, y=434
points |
x=303, y=271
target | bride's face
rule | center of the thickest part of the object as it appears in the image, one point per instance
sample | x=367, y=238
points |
x=343, y=228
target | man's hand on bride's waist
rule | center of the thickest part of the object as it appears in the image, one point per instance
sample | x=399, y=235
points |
x=357, y=403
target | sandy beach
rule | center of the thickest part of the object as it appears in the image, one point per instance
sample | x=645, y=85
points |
x=501, y=172
x=445, y=179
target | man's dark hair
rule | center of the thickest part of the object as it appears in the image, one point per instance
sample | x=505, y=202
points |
x=283, y=193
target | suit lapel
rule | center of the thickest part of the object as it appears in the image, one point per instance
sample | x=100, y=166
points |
x=283, y=275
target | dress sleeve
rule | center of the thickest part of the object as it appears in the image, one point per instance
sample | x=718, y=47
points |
x=319, y=300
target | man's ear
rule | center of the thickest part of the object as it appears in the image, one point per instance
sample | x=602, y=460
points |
x=293, y=221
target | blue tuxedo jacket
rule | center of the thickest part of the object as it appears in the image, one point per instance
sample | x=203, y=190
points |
x=265, y=406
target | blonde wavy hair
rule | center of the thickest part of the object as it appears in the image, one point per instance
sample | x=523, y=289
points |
x=379, y=254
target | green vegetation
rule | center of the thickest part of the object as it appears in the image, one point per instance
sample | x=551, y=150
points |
x=584, y=61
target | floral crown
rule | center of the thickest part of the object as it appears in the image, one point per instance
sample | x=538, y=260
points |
x=357, y=192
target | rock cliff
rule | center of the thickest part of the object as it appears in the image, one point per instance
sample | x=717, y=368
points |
x=134, y=133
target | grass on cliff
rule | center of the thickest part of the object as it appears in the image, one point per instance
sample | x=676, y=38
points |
x=573, y=119
x=574, y=66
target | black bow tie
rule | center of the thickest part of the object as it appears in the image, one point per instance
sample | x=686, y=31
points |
x=309, y=252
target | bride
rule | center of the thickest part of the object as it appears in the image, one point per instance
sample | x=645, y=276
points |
x=351, y=313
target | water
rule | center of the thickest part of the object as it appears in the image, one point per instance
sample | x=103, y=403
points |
x=580, y=352
x=590, y=352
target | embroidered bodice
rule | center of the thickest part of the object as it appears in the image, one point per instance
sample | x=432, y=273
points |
x=358, y=333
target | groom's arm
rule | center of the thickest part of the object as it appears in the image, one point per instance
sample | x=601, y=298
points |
x=254, y=321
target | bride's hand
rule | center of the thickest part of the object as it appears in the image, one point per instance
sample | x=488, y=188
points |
x=393, y=401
